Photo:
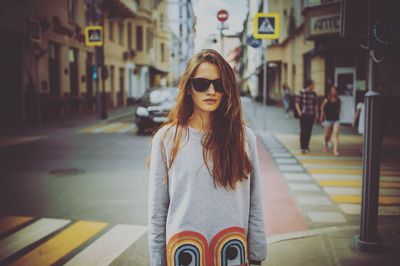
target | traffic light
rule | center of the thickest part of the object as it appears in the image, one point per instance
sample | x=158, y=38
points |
x=95, y=73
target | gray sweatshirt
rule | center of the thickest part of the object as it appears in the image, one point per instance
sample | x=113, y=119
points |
x=192, y=222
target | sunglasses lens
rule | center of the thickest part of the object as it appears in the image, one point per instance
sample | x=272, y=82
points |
x=200, y=84
x=218, y=85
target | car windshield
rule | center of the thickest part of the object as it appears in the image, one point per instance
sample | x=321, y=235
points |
x=162, y=95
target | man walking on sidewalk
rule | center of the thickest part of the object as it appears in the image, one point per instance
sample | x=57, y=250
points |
x=306, y=107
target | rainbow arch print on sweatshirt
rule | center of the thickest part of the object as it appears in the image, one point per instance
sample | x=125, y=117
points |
x=189, y=248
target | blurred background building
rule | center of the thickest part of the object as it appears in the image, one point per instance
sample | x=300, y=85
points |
x=311, y=46
x=47, y=71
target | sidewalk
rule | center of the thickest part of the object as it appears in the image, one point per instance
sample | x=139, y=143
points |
x=61, y=126
x=317, y=245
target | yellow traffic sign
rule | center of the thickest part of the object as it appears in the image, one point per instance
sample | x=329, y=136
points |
x=266, y=26
x=94, y=36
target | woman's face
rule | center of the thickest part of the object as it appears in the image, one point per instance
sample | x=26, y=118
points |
x=210, y=99
x=333, y=91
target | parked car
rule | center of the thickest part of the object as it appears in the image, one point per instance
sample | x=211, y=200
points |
x=154, y=108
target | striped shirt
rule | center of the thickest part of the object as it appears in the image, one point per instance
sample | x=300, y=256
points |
x=307, y=101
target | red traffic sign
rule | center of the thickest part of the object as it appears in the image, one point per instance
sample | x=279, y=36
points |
x=222, y=15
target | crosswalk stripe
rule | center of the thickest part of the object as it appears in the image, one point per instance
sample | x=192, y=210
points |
x=10, y=222
x=357, y=191
x=357, y=199
x=330, y=161
x=383, y=210
x=354, y=183
x=61, y=244
x=116, y=128
x=130, y=128
x=352, y=177
x=105, y=128
x=383, y=167
x=90, y=129
x=109, y=246
x=28, y=235
x=339, y=171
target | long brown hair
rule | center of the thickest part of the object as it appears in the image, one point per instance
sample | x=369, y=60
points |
x=224, y=144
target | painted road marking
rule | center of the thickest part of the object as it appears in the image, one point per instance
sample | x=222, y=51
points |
x=10, y=222
x=281, y=155
x=355, y=209
x=314, y=200
x=354, y=183
x=63, y=243
x=109, y=246
x=304, y=187
x=326, y=217
x=352, y=177
x=286, y=161
x=29, y=235
x=9, y=141
x=117, y=127
x=340, y=171
x=297, y=176
x=357, y=191
x=384, y=200
x=290, y=168
x=128, y=128
x=105, y=128
x=90, y=129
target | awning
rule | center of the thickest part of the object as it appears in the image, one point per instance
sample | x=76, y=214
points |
x=154, y=70
x=121, y=8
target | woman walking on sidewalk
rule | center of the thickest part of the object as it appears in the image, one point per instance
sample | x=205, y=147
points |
x=330, y=112
x=204, y=188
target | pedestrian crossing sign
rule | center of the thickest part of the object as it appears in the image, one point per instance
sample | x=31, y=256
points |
x=266, y=26
x=94, y=36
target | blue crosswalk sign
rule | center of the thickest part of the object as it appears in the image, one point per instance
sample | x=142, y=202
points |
x=266, y=26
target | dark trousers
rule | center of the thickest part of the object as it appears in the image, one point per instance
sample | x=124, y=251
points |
x=306, y=125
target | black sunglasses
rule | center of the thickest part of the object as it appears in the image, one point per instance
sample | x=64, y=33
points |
x=202, y=84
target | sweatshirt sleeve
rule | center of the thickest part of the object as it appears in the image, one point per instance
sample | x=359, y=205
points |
x=158, y=203
x=257, y=241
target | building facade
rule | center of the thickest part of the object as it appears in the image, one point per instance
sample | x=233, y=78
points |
x=48, y=71
x=310, y=47
x=182, y=25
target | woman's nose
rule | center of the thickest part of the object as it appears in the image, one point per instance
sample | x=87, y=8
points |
x=211, y=89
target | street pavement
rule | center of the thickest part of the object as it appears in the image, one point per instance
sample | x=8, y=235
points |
x=321, y=194
x=98, y=217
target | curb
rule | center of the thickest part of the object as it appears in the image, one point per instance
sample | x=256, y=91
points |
x=313, y=232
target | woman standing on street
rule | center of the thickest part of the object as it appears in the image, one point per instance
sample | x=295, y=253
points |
x=330, y=112
x=204, y=189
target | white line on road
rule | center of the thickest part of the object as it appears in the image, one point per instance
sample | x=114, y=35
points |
x=357, y=191
x=29, y=235
x=109, y=246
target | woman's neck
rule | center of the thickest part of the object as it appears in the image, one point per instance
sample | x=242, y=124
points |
x=200, y=121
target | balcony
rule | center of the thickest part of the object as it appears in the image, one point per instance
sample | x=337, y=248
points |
x=121, y=8
x=311, y=3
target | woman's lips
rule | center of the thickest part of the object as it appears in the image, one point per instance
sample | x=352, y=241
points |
x=210, y=101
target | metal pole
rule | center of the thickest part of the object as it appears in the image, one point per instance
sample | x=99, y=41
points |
x=222, y=39
x=103, y=102
x=368, y=240
x=265, y=7
x=39, y=107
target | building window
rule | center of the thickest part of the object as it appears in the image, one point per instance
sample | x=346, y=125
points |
x=120, y=33
x=148, y=39
x=139, y=38
x=111, y=30
x=129, y=35
x=162, y=47
x=72, y=10
x=162, y=21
